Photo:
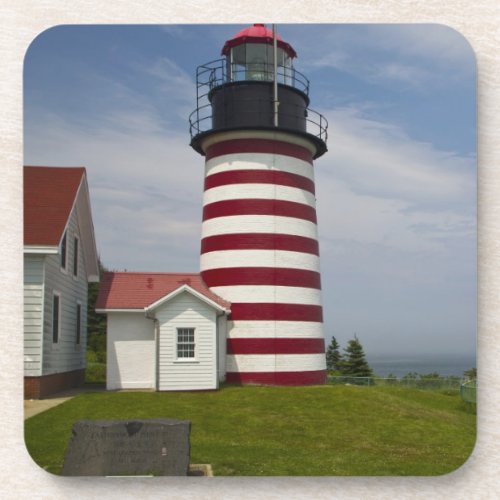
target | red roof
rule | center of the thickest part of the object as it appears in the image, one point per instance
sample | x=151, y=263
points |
x=49, y=196
x=258, y=33
x=128, y=290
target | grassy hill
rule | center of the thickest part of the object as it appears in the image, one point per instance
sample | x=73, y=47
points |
x=319, y=430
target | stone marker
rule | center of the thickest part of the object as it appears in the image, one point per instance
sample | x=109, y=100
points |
x=157, y=447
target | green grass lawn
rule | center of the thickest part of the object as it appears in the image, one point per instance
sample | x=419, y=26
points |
x=319, y=430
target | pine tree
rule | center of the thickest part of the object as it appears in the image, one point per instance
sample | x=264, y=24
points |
x=333, y=356
x=354, y=362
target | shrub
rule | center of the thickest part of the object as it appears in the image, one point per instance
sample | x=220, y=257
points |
x=95, y=373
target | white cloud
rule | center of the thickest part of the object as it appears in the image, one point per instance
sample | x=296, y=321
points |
x=377, y=186
x=428, y=41
x=414, y=55
x=177, y=31
x=379, y=159
x=173, y=79
x=145, y=189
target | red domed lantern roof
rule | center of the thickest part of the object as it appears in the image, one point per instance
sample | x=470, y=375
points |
x=258, y=33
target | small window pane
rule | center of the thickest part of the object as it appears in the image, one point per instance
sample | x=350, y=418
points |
x=63, y=252
x=185, y=343
x=78, y=323
x=257, y=63
x=238, y=56
x=55, y=319
x=75, y=258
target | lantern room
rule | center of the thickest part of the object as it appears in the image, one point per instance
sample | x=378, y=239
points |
x=250, y=56
x=254, y=87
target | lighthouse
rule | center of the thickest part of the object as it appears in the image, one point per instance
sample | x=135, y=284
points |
x=259, y=241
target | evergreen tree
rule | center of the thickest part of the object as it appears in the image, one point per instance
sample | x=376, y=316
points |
x=333, y=356
x=354, y=362
x=471, y=374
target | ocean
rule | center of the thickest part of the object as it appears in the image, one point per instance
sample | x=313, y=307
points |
x=400, y=365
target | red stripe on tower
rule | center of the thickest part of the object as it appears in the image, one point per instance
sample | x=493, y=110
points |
x=259, y=207
x=268, y=146
x=259, y=177
x=276, y=276
x=259, y=241
x=315, y=377
x=275, y=346
x=276, y=312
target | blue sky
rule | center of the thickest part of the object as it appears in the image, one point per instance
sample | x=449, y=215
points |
x=396, y=191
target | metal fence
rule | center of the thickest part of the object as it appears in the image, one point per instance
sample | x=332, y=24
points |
x=436, y=383
x=468, y=391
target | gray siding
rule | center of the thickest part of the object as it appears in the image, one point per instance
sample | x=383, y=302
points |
x=33, y=314
x=187, y=311
x=65, y=355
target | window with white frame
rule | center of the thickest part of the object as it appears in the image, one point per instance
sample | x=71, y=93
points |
x=56, y=317
x=78, y=323
x=185, y=343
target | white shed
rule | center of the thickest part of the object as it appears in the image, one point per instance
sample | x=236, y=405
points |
x=166, y=331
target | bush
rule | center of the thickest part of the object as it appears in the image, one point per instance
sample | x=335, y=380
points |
x=95, y=373
x=97, y=344
x=91, y=357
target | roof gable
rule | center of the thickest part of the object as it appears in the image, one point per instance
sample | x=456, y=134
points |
x=49, y=196
x=185, y=289
x=128, y=290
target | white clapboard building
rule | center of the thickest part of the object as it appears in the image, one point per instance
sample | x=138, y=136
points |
x=60, y=259
x=165, y=331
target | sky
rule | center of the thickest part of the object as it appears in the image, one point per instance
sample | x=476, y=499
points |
x=396, y=191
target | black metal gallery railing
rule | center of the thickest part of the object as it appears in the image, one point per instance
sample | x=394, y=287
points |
x=213, y=75
x=201, y=120
x=218, y=72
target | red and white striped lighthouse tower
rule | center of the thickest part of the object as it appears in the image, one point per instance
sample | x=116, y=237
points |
x=259, y=247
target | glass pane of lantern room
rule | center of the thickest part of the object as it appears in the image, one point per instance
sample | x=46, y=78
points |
x=287, y=68
x=257, y=62
x=238, y=58
x=281, y=69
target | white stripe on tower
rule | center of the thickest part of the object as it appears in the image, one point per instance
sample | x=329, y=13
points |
x=278, y=329
x=259, y=191
x=260, y=252
x=242, y=224
x=259, y=258
x=269, y=293
x=258, y=161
